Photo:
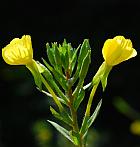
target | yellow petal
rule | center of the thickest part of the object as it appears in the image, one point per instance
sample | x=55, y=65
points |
x=117, y=50
x=19, y=51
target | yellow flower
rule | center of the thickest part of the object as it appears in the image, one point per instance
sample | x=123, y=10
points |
x=117, y=50
x=19, y=51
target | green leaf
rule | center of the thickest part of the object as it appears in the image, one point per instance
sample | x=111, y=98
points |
x=50, y=53
x=79, y=99
x=64, y=55
x=59, y=92
x=58, y=76
x=85, y=65
x=57, y=58
x=43, y=70
x=48, y=94
x=48, y=76
x=60, y=79
x=66, y=61
x=78, y=88
x=94, y=115
x=54, y=113
x=85, y=137
x=75, y=137
x=70, y=51
x=74, y=59
x=88, y=121
x=84, y=126
x=85, y=48
x=63, y=116
x=47, y=65
x=83, y=51
x=82, y=74
x=62, y=130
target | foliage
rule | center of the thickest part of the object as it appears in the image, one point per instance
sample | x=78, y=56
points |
x=62, y=78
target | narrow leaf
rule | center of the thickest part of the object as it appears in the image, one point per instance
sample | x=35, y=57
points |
x=43, y=70
x=57, y=58
x=63, y=117
x=83, y=51
x=94, y=115
x=62, y=130
x=60, y=78
x=85, y=65
x=79, y=99
x=74, y=59
x=50, y=53
x=75, y=137
x=84, y=126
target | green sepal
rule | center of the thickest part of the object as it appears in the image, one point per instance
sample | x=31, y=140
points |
x=62, y=130
x=105, y=76
x=79, y=99
x=35, y=72
x=50, y=54
x=102, y=74
x=99, y=74
x=85, y=65
x=63, y=116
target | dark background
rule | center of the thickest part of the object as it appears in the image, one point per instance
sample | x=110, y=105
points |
x=48, y=21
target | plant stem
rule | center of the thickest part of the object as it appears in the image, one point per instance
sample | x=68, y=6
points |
x=73, y=112
x=87, y=113
x=52, y=93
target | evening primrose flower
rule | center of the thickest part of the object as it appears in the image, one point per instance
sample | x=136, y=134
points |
x=117, y=50
x=19, y=51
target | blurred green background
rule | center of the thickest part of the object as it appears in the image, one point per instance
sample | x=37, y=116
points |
x=24, y=110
